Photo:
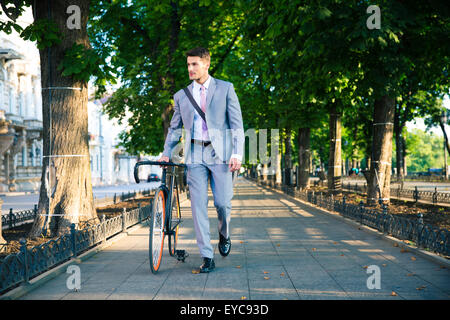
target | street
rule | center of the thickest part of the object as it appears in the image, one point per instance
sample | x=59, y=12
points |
x=421, y=185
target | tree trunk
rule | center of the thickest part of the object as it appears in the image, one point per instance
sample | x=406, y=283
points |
x=447, y=144
x=398, y=145
x=405, y=170
x=355, y=148
x=446, y=147
x=287, y=156
x=380, y=170
x=66, y=189
x=304, y=156
x=335, y=161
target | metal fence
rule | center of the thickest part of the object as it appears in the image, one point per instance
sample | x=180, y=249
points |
x=413, y=194
x=415, y=230
x=18, y=268
x=13, y=219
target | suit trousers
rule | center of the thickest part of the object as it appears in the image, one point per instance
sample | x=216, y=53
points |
x=206, y=166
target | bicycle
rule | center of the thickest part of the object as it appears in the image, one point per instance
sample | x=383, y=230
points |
x=162, y=221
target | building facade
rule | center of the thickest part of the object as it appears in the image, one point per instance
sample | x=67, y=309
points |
x=20, y=111
x=110, y=164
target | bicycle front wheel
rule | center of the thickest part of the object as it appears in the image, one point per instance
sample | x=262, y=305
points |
x=156, y=239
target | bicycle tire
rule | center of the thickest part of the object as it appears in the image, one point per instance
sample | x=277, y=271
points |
x=176, y=217
x=157, y=224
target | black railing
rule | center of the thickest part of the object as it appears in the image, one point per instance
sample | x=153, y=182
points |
x=415, y=230
x=399, y=192
x=13, y=219
x=20, y=267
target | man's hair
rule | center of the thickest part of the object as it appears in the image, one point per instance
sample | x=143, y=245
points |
x=203, y=53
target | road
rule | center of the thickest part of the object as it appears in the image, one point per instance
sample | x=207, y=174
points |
x=27, y=201
x=421, y=185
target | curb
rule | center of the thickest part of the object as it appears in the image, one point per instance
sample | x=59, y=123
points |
x=420, y=252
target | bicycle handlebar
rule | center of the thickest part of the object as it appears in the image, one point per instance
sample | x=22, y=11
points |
x=154, y=163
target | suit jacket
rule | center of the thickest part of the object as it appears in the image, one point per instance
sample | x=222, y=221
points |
x=223, y=118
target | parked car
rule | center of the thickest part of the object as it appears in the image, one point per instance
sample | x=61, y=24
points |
x=153, y=177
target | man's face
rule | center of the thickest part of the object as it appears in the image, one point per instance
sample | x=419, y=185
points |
x=197, y=67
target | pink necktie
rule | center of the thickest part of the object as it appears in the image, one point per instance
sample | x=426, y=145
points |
x=203, y=106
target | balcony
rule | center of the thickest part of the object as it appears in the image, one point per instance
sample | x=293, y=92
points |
x=34, y=129
x=15, y=119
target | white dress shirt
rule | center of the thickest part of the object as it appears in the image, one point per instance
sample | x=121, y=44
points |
x=198, y=121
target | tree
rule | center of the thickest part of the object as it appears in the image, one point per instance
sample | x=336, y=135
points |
x=67, y=62
x=425, y=150
x=145, y=42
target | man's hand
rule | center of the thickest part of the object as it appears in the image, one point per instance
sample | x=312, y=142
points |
x=234, y=165
x=164, y=159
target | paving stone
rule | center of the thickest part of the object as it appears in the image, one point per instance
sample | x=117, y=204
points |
x=281, y=249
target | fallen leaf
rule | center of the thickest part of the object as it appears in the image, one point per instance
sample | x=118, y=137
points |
x=384, y=264
x=243, y=298
x=278, y=245
x=241, y=241
x=421, y=288
x=342, y=255
x=334, y=242
x=395, y=244
x=410, y=274
x=403, y=250
x=265, y=272
x=314, y=249
x=393, y=293
x=282, y=274
x=195, y=271
x=266, y=278
x=238, y=267
x=365, y=267
x=413, y=258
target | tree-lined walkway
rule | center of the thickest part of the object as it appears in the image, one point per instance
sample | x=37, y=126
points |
x=281, y=249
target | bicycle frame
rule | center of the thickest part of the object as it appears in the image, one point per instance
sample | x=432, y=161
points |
x=168, y=226
x=168, y=190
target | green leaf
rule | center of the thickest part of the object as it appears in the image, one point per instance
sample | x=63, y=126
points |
x=323, y=13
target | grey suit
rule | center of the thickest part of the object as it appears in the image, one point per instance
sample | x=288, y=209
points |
x=225, y=129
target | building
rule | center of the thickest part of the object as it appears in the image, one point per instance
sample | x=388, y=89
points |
x=20, y=111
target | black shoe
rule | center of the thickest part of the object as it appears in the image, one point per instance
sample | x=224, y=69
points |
x=207, y=266
x=224, y=245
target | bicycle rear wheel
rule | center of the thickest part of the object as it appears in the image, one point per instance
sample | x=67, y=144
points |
x=175, y=222
x=156, y=239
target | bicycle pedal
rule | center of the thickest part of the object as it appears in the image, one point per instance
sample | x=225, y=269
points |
x=181, y=255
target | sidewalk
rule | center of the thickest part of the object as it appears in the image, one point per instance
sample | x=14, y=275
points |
x=281, y=249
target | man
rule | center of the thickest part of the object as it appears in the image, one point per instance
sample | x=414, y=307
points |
x=213, y=149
